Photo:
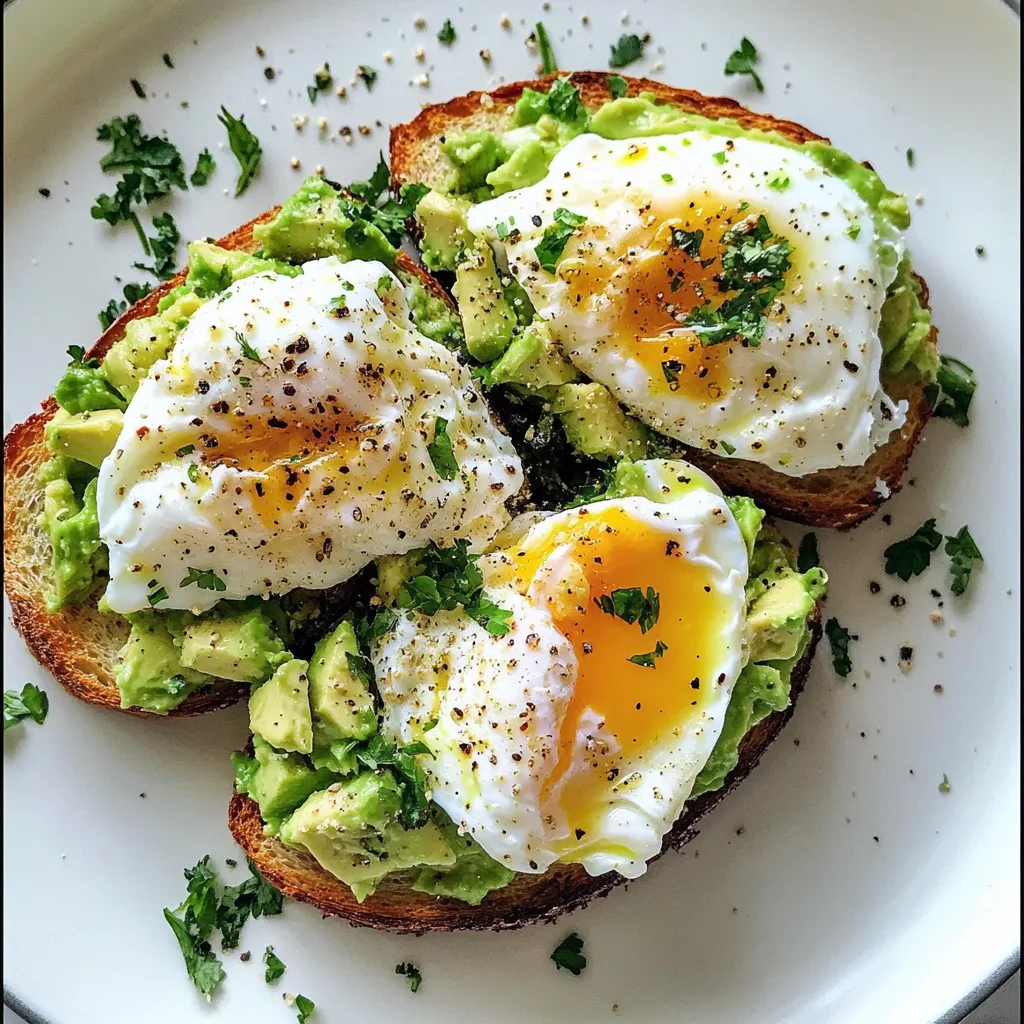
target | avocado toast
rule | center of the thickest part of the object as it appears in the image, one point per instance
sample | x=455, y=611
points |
x=54, y=562
x=483, y=145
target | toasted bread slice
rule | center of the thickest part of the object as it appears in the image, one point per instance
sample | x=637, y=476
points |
x=397, y=907
x=836, y=497
x=79, y=644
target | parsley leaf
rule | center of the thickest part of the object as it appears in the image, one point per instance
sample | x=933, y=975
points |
x=963, y=553
x=447, y=34
x=912, y=556
x=689, y=241
x=198, y=914
x=670, y=368
x=780, y=182
x=910, y=157
x=322, y=81
x=367, y=74
x=565, y=104
x=205, y=166
x=138, y=88
x=163, y=248
x=156, y=596
x=742, y=61
x=363, y=202
x=254, y=897
x=247, y=350
x=953, y=390
x=617, y=86
x=807, y=557
x=729, y=449
x=244, y=145
x=569, y=954
x=30, y=703
x=555, y=237
x=628, y=50
x=203, y=967
x=205, y=579
x=489, y=615
x=275, y=966
x=132, y=293
x=304, y=1008
x=839, y=640
x=77, y=356
x=412, y=972
x=548, y=63
x=379, y=753
x=441, y=453
x=631, y=605
x=647, y=660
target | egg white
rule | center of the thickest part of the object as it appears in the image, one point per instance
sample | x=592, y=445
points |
x=500, y=702
x=295, y=465
x=809, y=397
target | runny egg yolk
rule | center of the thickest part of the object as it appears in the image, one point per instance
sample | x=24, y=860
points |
x=578, y=566
x=667, y=267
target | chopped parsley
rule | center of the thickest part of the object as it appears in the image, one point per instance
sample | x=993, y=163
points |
x=76, y=353
x=647, y=660
x=564, y=102
x=780, y=182
x=853, y=231
x=367, y=74
x=193, y=472
x=247, y=350
x=912, y=556
x=627, y=50
x=132, y=293
x=205, y=166
x=244, y=145
x=963, y=553
x=322, y=81
x=754, y=264
x=371, y=201
x=839, y=639
x=138, y=88
x=742, y=61
x=205, y=579
x=807, y=556
x=447, y=34
x=254, y=897
x=719, y=157
x=304, y=1008
x=450, y=578
x=729, y=449
x=379, y=753
x=670, y=368
x=910, y=158
x=187, y=449
x=617, y=86
x=689, y=241
x=192, y=924
x=569, y=954
x=168, y=61
x=412, y=972
x=30, y=703
x=158, y=595
x=275, y=966
x=667, y=178
x=552, y=244
x=548, y=63
x=440, y=450
x=953, y=390
x=631, y=605
x=163, y=248
x=944, y=785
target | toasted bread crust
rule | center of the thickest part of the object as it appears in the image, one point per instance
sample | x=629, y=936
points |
x=396, y=907
x=79, y=645
x=839, y=497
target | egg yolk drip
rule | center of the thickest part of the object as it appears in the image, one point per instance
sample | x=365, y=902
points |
x=672, y=264
x=638, y=687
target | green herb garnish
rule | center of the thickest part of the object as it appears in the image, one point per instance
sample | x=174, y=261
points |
x=163, y=248
x=167, y=60
x=647, y=660
x=447, y=34
x=275, y=966
x=205, y=579
x=963, y=553
x=367, y=74
x=440, y=450
x=839, y=639
x=254, y=897
x=729, y=449
x=742, y=61
x=547, y=54
x=617, y=86
x=853, y=231
x=910, y=557
x=31, y=702
x=628, y=50
x=780, y=182
x=412, y=972
x=138, y=88
x=322, y=81
x=158, y=595
x=631, y=605
x=193, y=472
x=552, y=244
x=379, y=753
x=205, y=166
x=569, y=954
x=192, y=924
x=304, y=1008
x=953, y=390
x=132, y=293
x=244, y=145
x=670, y=368
x=247, y=350
x=910, y=158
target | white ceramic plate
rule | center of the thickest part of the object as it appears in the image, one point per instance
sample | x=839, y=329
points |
x=838, y=884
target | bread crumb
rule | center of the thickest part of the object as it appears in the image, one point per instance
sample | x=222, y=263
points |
x=388, y=56
x=322, y=124
x=421, y=54
x=300, y=121
x=624, y=17
x=505, y=21
x=319, y=169
x=296, y=163
x=341, y=92
x=658, y=65
x=486, y=101
x=485, y=56
x=937, y=617
x=422, y=80
x=420, y=22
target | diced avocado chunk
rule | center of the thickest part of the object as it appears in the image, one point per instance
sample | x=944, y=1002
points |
x=243, y=647
x=352, y=830
x=487, y=320
x=145, y=341
x=86, y=436
x=212, y=269
x=474, y=154
x=341, y=704
x=86, y=389
x=150, y=675
x=279, y=709
x=474, y=873
x=281, y=781
x=74, y=532
x=534, y=360
x=777, y=618
x=595, y=424
x=748, y=518
x=434, y=318
x=393, y=571
x=445, y=235
x=317, y=221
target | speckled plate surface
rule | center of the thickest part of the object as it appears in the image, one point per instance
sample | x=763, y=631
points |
x=838, y=884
